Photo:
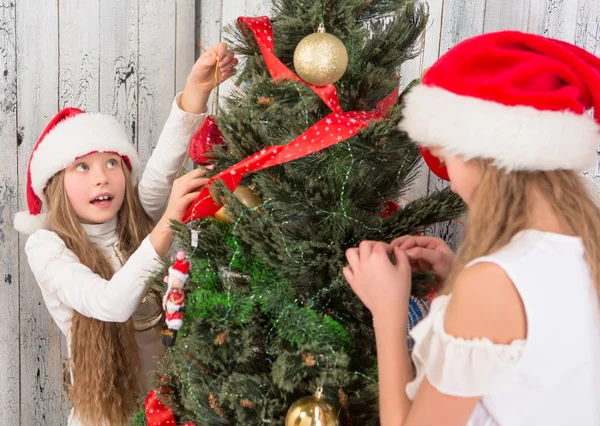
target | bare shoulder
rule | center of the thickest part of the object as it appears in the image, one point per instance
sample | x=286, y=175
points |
x=485, y=303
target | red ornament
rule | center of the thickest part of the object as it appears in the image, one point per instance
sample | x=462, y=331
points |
x=203, y=141
x=434, y=164
x=390, y=208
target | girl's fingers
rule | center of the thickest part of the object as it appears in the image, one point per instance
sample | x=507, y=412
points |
x=401, y=259
x=348, y=274
x=188, y=199
x=352, y=256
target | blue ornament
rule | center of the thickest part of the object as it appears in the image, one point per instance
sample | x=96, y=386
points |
x=417, y=310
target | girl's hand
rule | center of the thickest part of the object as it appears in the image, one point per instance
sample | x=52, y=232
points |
x=185, y=190
x=201, y=78
x=383, y=286
x=428, y=254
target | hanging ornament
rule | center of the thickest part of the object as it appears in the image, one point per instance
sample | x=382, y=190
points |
x=204, y=140
x=320, y=58
x=174, y=300
x=389, y=208
x=312, y=411
x=248, y=198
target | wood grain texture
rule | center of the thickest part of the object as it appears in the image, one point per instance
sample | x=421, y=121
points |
x=554, y=18
x=185, y=36
x=37, y=103
x=506, y=15
x=9, y=239
x=79, y=54
x=210, y=19
x=156, y=71
x=119, y=63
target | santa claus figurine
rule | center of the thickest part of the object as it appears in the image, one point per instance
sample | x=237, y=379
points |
x=174, y=299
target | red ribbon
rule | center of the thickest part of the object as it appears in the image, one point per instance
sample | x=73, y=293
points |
x=336, y=127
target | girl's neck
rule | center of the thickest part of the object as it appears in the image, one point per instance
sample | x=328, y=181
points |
x=543, y=218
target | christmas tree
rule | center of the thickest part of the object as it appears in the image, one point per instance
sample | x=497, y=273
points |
x=269, y=318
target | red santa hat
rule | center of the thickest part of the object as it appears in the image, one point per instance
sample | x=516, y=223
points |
x=71, y=134
x=180, y=268
x=517, y=99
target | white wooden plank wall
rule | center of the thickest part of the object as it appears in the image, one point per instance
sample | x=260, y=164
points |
x=128, y=58
x=123, y=57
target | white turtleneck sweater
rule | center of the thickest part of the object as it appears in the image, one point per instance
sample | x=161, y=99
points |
x=68, y=286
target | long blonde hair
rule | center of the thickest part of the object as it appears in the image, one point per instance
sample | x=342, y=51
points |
x=502, y=205
x=104, y=358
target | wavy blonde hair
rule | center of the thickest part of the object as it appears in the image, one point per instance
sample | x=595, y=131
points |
x=104, y=357
x=503, y=203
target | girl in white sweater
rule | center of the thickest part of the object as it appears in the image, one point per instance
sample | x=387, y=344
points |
x=95, y=237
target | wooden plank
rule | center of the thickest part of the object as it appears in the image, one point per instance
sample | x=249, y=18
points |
x=79, y=55
x=506, y=15
x=185, y=46
x=210, y=27
x=461, y=19
x=119, y=63
x=587, y=26
x=156, y=71
x=587, y=36
x=553, y=18
x=9, y=240
x=37, y=102
x=413, y=69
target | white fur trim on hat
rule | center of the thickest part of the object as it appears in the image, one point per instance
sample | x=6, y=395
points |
x=515, y=137
x=27, y=223
x=175, y=273
x=74, y=138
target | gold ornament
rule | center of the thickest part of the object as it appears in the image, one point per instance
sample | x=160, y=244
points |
x=312, y=411
x=248, y=198
x=320, y=58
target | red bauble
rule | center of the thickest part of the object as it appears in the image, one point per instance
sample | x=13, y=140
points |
x=434, y=164
x=390, y=208
x=203, y=141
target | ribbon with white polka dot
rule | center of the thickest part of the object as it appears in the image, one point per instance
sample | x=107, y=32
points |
x=336, y=127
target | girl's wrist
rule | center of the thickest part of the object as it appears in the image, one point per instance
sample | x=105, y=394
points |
x=194, y=99
x=161, y=237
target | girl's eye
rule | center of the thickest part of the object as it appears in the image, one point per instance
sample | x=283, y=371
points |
x=82, y=167
x=112, y=164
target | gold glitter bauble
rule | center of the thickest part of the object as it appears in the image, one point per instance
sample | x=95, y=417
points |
x=248, y=198
x=320, y=58
x=312, y=411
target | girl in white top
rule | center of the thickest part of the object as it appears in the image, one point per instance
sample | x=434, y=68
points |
x=513, y=339
x=95, y=238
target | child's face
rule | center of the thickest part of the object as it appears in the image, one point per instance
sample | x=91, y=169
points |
x=95, y=186
x=464, y=177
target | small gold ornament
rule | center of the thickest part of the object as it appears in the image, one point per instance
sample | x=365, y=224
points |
x=320, y=58
x=312, y=411
x=247, y=196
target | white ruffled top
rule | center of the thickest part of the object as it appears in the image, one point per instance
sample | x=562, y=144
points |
x=553, y=377
x=457, y=366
